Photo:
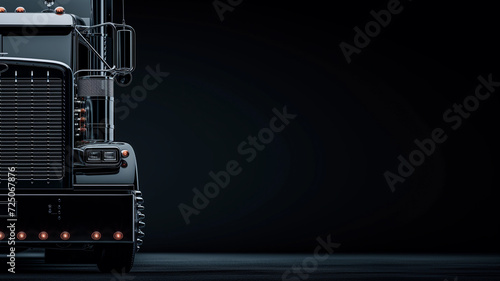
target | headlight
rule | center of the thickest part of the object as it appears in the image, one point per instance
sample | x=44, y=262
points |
x=110, y=156
x=94, y=156
x=101, y=156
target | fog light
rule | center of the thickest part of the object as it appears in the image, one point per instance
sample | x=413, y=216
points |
x=43, y=236
x=118, y=236
x=21, y=235
x=96, y=235
x=2, y=235
x=65, y=235
x=20, y=10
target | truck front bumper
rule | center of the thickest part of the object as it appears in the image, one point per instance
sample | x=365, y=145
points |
x=45, y=219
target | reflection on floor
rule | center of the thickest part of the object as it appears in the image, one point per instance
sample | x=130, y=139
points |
x=156, y=266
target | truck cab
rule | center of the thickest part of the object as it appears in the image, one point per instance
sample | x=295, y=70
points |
x=66, y=185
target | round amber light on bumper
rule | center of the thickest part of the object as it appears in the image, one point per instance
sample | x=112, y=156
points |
x=21, y=235
x=43, y=236
x=96, y=235
x=65, y=236
x=118, y=236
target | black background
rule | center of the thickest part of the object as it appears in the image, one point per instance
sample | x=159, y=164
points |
x=324, y=173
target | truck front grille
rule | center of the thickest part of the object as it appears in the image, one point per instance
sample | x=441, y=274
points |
x=32, y=124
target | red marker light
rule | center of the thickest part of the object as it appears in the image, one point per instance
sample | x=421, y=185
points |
x=21, y=235
x=43, y=236
x=96, y=235
x=65, y=235
x=20, y=10
x=118, y=236
x=2, y=10
x=2, y=235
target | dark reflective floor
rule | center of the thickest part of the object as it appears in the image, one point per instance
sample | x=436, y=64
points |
x=31, y=266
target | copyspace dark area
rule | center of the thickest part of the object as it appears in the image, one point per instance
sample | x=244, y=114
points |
x=324, y=173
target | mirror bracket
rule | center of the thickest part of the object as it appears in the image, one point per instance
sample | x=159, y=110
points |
x=123, y=38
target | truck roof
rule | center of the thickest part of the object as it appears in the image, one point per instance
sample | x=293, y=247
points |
x=36, y=20
x=81, y=8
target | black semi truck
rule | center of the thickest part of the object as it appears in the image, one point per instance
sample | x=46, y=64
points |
x=66, y=185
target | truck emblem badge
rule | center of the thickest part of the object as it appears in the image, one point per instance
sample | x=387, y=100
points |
x=3, y=68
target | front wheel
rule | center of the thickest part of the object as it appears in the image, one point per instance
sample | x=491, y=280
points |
x=116, y=258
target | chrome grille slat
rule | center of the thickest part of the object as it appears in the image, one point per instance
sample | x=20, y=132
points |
x=32, y=132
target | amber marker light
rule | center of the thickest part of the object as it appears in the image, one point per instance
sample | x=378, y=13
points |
x=2, y=10
x=21, y=235
x=65, y=235
x=20, y=10
x=125, y=153
x=2, y=235
x=59, y=10
x=43, y=236
x=96, y=235
x=118, y=236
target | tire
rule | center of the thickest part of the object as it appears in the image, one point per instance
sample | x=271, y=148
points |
x=116, y=258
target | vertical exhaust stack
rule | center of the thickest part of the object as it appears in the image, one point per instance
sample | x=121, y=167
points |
x=111, y=56
x=95, y=90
